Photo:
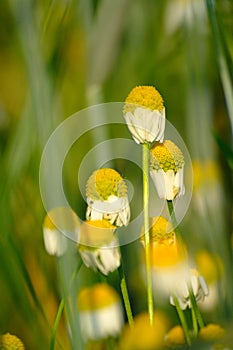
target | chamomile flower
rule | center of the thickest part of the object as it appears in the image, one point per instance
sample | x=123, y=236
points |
x=98, y=246
x=169, y=266
x=100, y=312
x=166, y=170
x=10, y=342
x=198, y=285
x=54, y=240
x=144, y=113
x=107, y=198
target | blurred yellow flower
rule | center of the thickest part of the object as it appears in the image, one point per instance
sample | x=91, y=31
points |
x=100, y=312
x=166, y=169
x=144, y=336
x=10, y=342
x=144, y=114
x=175, y=337
x=212, y=332
x=107, y=198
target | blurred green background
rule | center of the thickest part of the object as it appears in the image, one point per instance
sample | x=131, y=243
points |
x=60, y=56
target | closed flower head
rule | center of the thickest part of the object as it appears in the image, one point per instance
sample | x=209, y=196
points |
x=144, y=114
x=10, y=342
x=98, y=246
x=107, y=198
x=100, y=312
x=166, y=169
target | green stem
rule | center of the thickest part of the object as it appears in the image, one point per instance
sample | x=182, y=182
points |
x=61, y=307
x=125, y=295
x=196, y=308
x=182, y=320
x=145, y=168
x=173, y=219
x=195, y=325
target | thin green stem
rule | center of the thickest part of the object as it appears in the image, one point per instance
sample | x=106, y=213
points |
x=182, y=320
x=61, y=307
x=55, y=324
x=145, y=168
x=125, y=295
x=173, y=219
x=196, y=308
x=195, y=324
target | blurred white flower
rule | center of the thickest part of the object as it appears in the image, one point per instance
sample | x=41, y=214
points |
x=100, y=312
x=184, y=12
x=198, y=285
x=144, y=114
x=98, y=246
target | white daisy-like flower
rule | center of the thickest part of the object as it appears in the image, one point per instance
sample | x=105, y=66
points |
x=100, y=312
x=107, y=198
x=144, y=114
x=198, y=285
x=167, y=170
x=60, y=224
x=98, y=246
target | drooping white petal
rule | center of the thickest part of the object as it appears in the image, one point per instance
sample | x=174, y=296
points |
x=55, y=242
x=159, y=182
x=145, y=125
x=115, y=209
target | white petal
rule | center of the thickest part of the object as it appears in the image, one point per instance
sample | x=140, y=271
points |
x=55, y=242
x=158, y=178
x=110, y=259
x=204, y=285
x=169, y=184
x=102, y=323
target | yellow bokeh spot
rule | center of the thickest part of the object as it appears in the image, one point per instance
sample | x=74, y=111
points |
x=105, y=182
x=205, y=173
x=175, y=337
x=143, y=336
x=96, y=297
x=10, y=342
x=96, y=233
x=212, y=332
x=209, y=265
x=144, y=96
x=160, y=230
x=166, y=156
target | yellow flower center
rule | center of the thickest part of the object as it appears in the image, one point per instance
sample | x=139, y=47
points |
x=104, y=183
x=166, y=156
x=96, y=297
x=167, y=254
x=160, y=230
x=10, y=342
x=143, y=96
x=212, y=332
x=96, y=233
x=175, y=337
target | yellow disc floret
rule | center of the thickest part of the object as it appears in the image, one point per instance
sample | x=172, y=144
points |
x=160, y=230
x=96, y=297
x=166, y=156
x=48, y=223
x=143, y=96
x=104, y=183
x=96, y=233
x=212, y=332
x=10, y=342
